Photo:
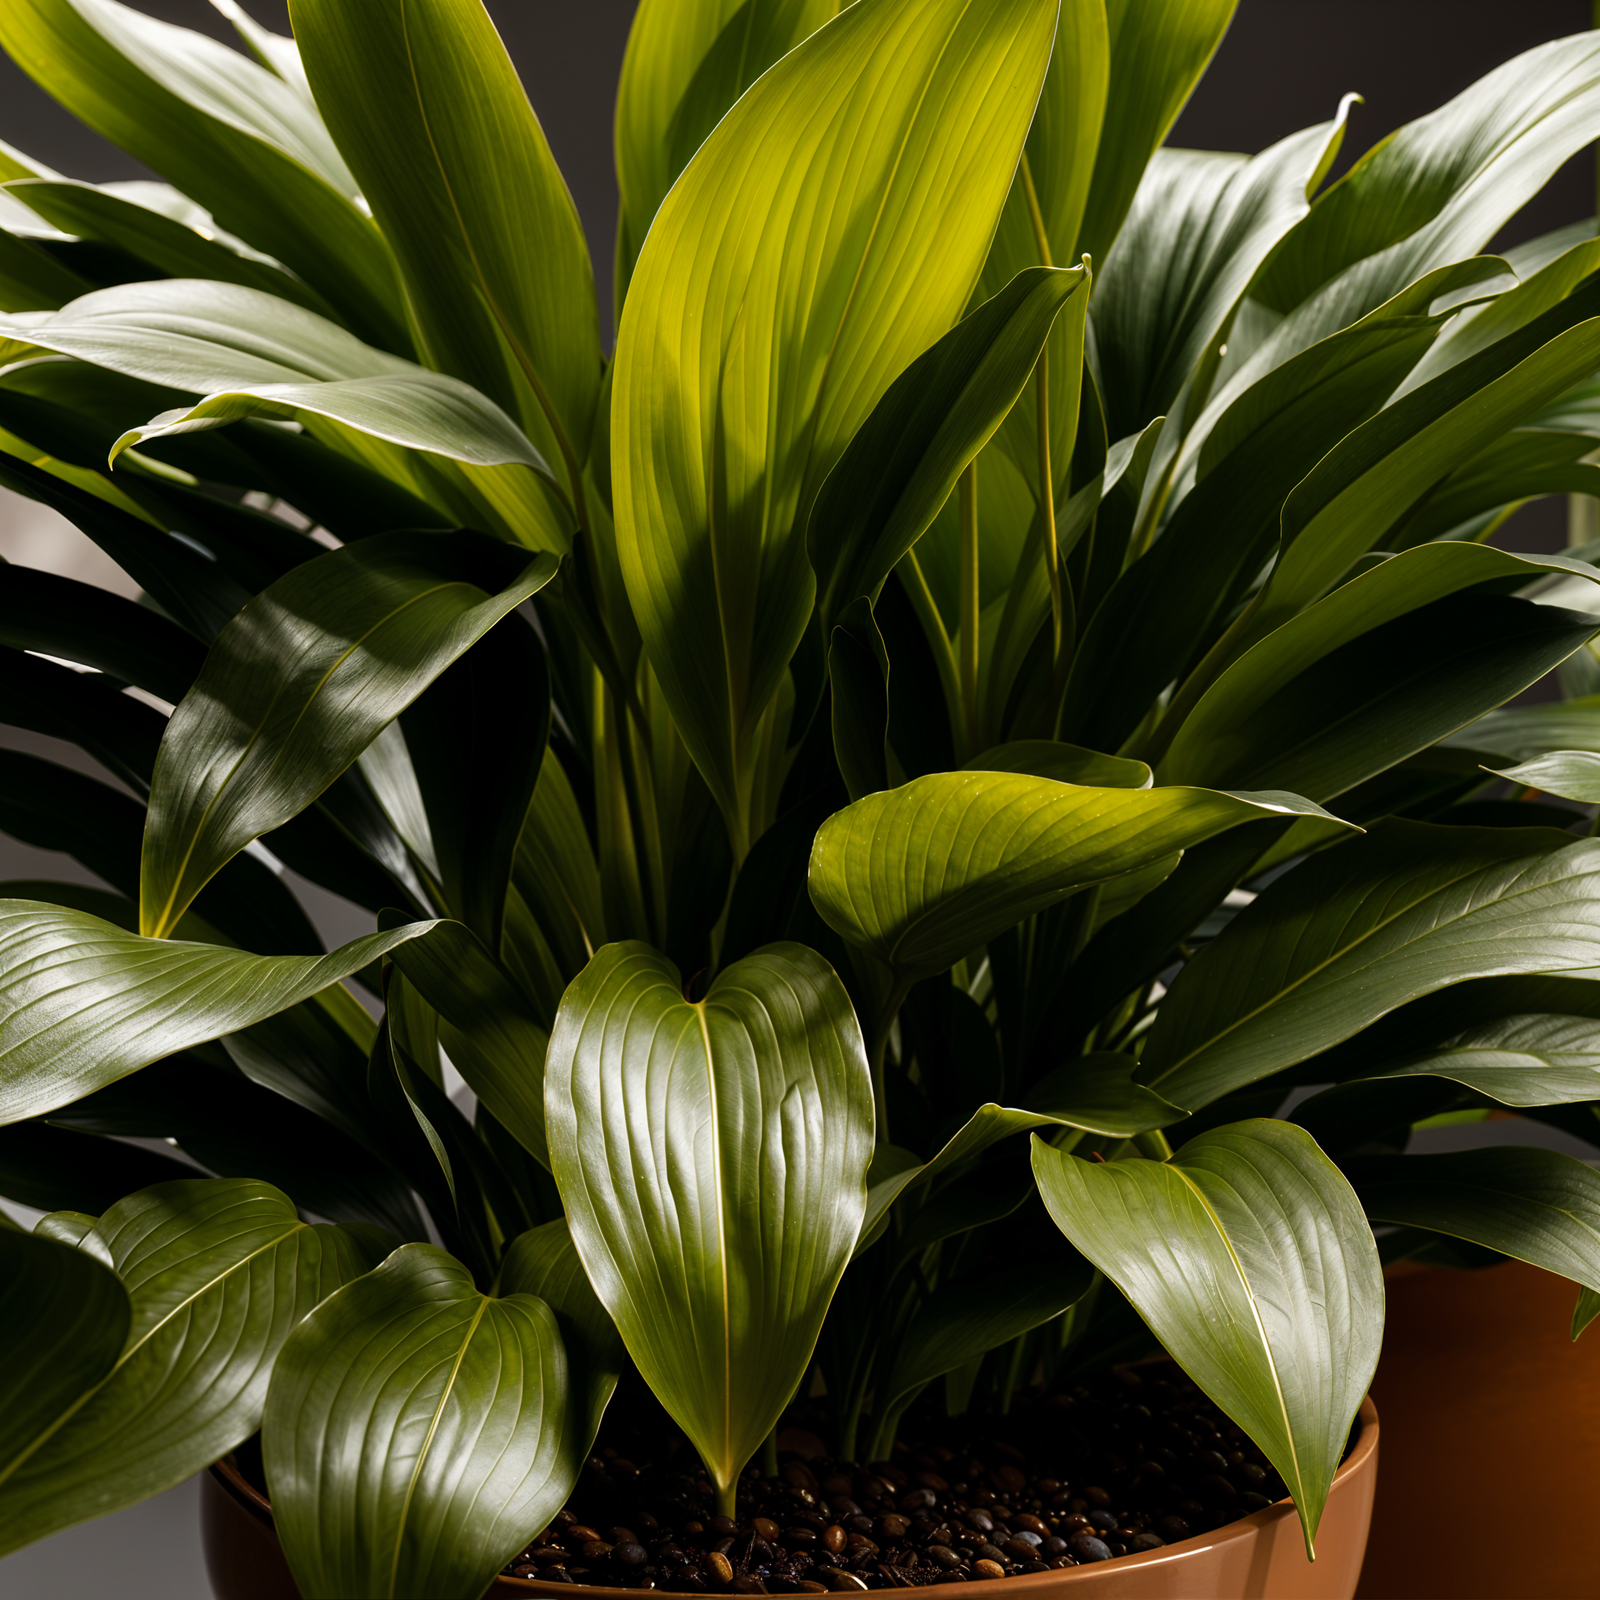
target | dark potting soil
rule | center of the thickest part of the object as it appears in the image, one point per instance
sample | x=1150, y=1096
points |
x=1129, y=1463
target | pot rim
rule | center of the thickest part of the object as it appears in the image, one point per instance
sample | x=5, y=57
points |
x=227, y=1474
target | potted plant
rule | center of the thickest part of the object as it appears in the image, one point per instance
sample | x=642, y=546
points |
x=880, y=789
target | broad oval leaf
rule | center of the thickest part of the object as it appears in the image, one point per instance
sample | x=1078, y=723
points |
x=925, y=873
x=727, y=1141
x=1519, y=1060
x=1359, y=930
x=1248, y=1256
x=217, y=1272
x=84, y=1003
x=301, y=682
x=746, y=360
x=415, y=1432
x=427, y=109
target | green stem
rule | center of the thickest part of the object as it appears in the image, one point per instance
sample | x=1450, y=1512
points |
x=933, y=628
x=1040, y=238
x=1047, y=492
x=879, y=1050
x=769, y=1455
x=969, y=603
x=727, y=1499
x=1153, y=1144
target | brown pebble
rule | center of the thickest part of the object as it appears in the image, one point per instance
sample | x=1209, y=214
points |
x=917, y=1500
x=1010, y=1478
x=765, y=1528
x=748, y=1585
x=944, y=1555
x=892, y=1527
x=842, y=1582
x=622, y=1536
x=579, y=1533
x=799, y=1476
x=799, y=1536
x=833, y=1539
x=596, y=1550
x=837, y=1484
x=931, y=1480
x=1022, y=1522
x=718, y=1567
x=859, y=1541
x=806, y=1586
x=979, y=1521
x=1095, y=1495
x=987, y=1569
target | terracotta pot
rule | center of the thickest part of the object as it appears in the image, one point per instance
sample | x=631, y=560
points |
x=1483, y=1393
x=1260, y=1557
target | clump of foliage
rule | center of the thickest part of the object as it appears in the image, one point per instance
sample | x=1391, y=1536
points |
x=992, y=685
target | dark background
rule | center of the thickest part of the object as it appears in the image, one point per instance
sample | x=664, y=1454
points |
x=1284, y=65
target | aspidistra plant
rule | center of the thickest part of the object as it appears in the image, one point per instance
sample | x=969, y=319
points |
x=994, y=682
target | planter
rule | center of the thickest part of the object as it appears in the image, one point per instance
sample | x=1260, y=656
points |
x=1260, y=1557
x=1479, y=1377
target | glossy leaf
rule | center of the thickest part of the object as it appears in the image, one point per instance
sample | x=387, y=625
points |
x=427, y=108
x=218, y=1272
x=226, y=131
x=902, y=465
x=252, y=354
x=458, y=1409
x=1200, y=225
x=1065, y=763
x=1572, y=774
x=1439, y=188
x=1533, y=1205
x=685, y=65
x=923, y=874
x=301, y=683
x=744, y=364
x=1383, y=667
x=1357, y=931
x=488, y=1027
x=64, y=1319
x=727, y=1141
x=1248, y=1257
x=544, y=1262
x=1157, y=54
x=858, y=677
x=86, y=1003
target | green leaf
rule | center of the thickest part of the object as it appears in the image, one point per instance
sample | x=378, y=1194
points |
x=744, y=365
x=1248, y=1257
x=1383, y=667
x=459, y=1410
x=1522, y=733
x=544, y=1262
x=427, y=108
x=858, y=677
x=1094, y=1093
x=488, y=1027
x=972, y=1314
x=1376, y=922
x=1586, y=1310
x=56, y=1169
x=1533, y=1205
x=1065, y=763
x=238, y=139
x=903, y=463
x=1367, y=482
x=1519, y=1060
x=86, y=1003
x=1200, y=225
x=276, y=53
x=301, y=683
x=1572, y=774
x=727, y=1141
x=1441, y=187
x=31, y=279
x=1158, y=54
x=171, y=246
x=218, y=1272
x=64, y=1319
x=251, y=354
x=923, y=874
x=687, y=62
